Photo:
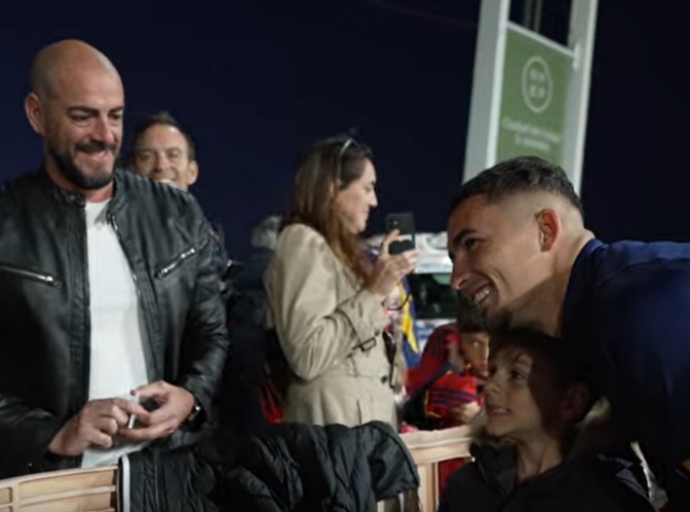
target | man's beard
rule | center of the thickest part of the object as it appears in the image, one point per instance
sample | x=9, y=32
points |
x=67, y=167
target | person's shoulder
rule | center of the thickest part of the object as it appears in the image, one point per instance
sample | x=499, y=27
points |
x=628, y=258
x=300, y=247
x=300, y=236
x=21, y=197
x=149, y=193
x=299, y=230
x=608, y=483
x=447, y=332
x=463, y=488
x=465, y=477
x=16, y=188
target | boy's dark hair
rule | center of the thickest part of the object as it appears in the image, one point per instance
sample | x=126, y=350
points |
x=516, y=175
x=565, y=366
x=469, y=317
x=165, y=119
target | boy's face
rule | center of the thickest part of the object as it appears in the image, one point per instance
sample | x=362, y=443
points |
x=521, y=396
x=475, y=348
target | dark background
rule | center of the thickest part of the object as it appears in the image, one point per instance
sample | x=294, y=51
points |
x=257, y=81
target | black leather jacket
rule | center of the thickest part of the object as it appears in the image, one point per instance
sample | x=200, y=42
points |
x=44, y=305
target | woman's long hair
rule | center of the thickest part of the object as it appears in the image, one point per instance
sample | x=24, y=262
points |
x=324, y=169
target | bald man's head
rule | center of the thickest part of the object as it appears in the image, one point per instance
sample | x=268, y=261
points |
x=76, y=105
x=52, y=63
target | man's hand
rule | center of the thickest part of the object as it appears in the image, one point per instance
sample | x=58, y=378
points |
x=175, y=406
x=96, y=424
x=466, y=412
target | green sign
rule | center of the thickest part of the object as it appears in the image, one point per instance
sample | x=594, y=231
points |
x=533, y=102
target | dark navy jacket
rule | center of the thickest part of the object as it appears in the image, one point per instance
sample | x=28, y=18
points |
x=587, y=483
x=627, y=310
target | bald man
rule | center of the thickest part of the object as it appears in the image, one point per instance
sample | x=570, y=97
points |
x=521, y=251
x=113, y=329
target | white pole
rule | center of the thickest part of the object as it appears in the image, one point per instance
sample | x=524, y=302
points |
x=583, y=16
x=482, y=135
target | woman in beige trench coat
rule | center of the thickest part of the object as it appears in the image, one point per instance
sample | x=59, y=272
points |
x=326, y=297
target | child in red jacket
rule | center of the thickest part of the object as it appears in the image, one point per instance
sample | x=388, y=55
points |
x=445, y=388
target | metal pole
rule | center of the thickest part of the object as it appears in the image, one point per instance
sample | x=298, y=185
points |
x=536, y=22
x=583, y=17
x=487, y=87
x=528, y=14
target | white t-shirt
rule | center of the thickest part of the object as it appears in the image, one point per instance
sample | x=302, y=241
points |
x=117, y=363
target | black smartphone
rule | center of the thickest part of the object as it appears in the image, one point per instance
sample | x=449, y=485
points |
x=404, y=223
x=150, y=405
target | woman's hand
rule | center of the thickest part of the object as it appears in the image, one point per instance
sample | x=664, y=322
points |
x=389, y=269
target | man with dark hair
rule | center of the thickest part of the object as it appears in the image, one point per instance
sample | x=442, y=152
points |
x=521, y=174
x=113, y=329
x=521, y=252
x=164, y=151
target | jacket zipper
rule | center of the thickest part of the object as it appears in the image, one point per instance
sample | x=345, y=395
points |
x=175, y=263
x=491, y=480
x=30, y=274
x=137, y=289
x=83, y=351
x=116, y=228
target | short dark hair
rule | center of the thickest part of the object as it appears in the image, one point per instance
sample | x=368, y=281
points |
x=566, y=365
x=516, y=175
x=166, y=119
x=469, y=318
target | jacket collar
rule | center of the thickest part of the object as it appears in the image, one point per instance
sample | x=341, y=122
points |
x=76, y=199
x=497, y=465
x=580, y=282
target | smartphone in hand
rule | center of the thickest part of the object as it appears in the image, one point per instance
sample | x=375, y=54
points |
x=404, y=223
x=150, y=405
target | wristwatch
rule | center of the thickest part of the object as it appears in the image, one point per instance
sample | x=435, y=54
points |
x=194, y=415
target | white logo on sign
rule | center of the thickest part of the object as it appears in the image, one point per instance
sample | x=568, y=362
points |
x=537, y=84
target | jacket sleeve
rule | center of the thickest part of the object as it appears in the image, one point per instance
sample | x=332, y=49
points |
x=206, y=336
x=647, y=345
x=316, y=331
x=25, y=433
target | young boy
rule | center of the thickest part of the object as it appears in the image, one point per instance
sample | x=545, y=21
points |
x=445, y=388
x=534, y=399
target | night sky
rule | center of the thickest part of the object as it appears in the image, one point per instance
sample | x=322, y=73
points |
x=257, y=81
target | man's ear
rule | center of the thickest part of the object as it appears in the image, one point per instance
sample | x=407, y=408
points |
x=193, y=173
x=34, y=113
x=574, y=403
x=549, y=223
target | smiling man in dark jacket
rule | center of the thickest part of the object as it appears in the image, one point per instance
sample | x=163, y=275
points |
x=521, y=250
x=108, y=295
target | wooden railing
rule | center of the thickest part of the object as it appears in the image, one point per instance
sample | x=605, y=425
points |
x=95, y=490
x=92, y=490
x=428, y=449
